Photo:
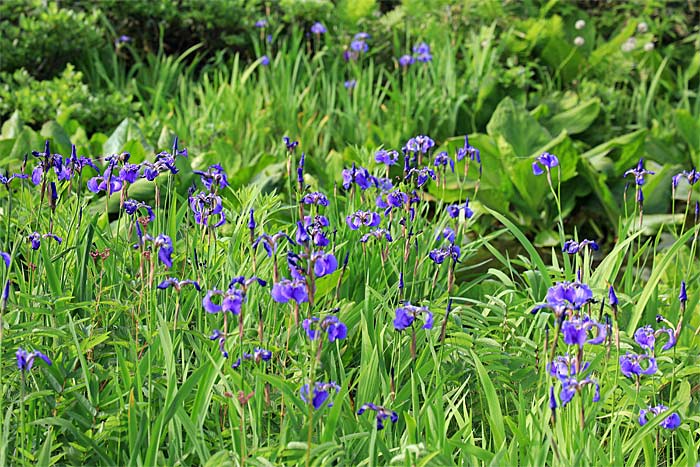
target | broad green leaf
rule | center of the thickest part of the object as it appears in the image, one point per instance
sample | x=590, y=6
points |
x=512, y=126
x=55, y=132
x=575, y=120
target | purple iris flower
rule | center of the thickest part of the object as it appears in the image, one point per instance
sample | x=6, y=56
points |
x=639, y=173
x=35, y=239
x=572, y=246
x=394, y=199
x=693, y=176
x=422, y=175
x=49, y=161
x=132, y=206
x=571, y=386
x=205, y=206
x=25, y=360
x=631, y=365
x=360, y=218
x=386, y=157
x=102, y=182
x=316, y=198
x=178, y=284
x=358, y=175
x=271, y=242
x=683, y=295
x=324, y=263
x=563, y=367
x=78, y=163
x=214, y=176
x=350, y=84
x=447, y=234
x=264, y=60
x=576, y=331
x=286, y=290
x=359, y=46
x=291, y=145
x=123, y=39
x=646, y=337
x=468, y=151
x=422, y=52
x=7, y=179
x=331, y=325
x=384, y=184
x=164, y=162
x=566, y=295
x=302, y=236
x=230, y=301
x=439, y=255
x=671, y=422
x=319, y=395
x=377, y=234
x=163, y=245
x=6, y=258
x=296, y=266
x=420, y=143
x=221, y=337
x=612, y=297
x=313, y=229
x=546, y=160
x=129, y=173
x=258, y=355
x=453, y=210
x=552, y=399
x=261, y=23
x=245, y=283
x=406, y=61
x=442, y=159
x=382, y=414
x=406, y=315
x=318, y=28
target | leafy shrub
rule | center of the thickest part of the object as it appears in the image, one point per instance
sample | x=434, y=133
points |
x=183, y=23
x=39, y=101
x=43, y=38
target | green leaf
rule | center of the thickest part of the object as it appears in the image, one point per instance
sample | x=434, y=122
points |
x=689, y=128
x=495, y=416
x=514, y=128
x=12, y=126
x=577, y=119
x=127, y=131
x=55, y=132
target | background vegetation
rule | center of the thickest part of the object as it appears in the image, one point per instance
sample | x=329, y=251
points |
x=135, y=379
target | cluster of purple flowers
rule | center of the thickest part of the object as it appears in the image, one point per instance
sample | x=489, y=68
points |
x=358, y=46
x=331, y=325
x=207, y=206
x=634, y=365
x=421, y=53
x=565, y=296
x=258, y=355
x=568, y=371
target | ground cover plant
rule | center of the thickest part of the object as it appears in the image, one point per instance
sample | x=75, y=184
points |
x=446, y=248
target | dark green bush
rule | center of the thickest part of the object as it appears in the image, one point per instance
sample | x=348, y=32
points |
x=39, y=101
x=184, y=23
x=42, y=39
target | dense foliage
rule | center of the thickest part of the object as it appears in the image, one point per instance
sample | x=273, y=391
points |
x=407, y=233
